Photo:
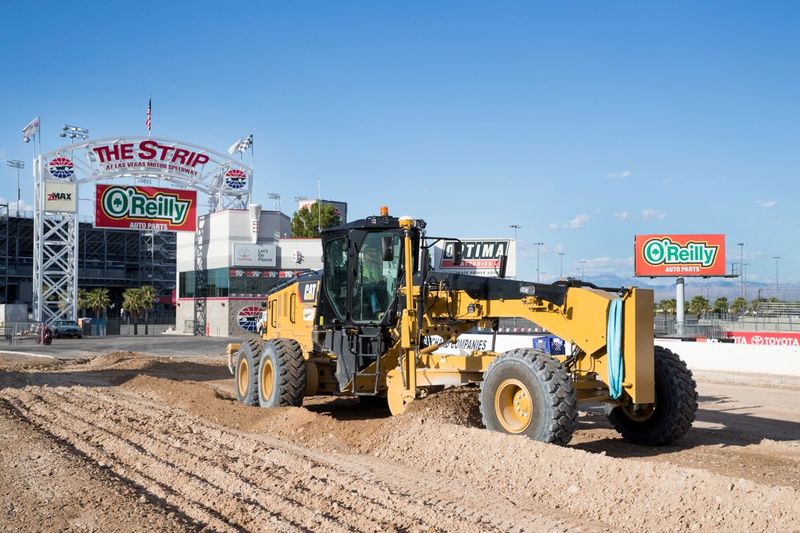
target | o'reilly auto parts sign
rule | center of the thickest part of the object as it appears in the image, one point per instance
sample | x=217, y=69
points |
x=680, y=255
x=145, y=208
x=481, y=257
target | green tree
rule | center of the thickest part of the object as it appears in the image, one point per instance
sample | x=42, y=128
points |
x=83, y=300
x=698, y=305
x=136, y=301
x=668, y=306
x=149, y=296
x=739, y=306
x=721, y=306
x=98, y=301
x=306, y=220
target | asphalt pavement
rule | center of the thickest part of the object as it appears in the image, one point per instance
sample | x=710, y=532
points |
x=159, y=345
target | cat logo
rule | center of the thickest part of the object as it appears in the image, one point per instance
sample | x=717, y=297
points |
x=55, y=196
x=309, y=291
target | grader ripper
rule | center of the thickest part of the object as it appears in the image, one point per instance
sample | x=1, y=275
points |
x=364, y=327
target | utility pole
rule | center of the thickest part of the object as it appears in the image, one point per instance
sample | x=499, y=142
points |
x=741, y=264
x=538, y=246
x=777, y=286
x=16, y=163
x=561, y=270
x=276, y=200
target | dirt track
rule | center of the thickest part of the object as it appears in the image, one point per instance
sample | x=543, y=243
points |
x=126, y=442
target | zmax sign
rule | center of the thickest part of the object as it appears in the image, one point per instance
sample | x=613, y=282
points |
x=145, y=208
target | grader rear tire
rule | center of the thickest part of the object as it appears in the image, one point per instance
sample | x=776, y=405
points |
x=245, y=375
x=282, y=374
x=674, y=410
x=527, y=392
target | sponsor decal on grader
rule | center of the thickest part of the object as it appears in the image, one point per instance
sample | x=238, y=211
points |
x=145, y=208
x=680, y=255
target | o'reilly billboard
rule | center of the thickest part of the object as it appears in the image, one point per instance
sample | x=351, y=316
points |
x=481, y=257
x=679, y=255
x=145, y=208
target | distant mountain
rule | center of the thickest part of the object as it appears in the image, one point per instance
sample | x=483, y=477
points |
x=711, y=288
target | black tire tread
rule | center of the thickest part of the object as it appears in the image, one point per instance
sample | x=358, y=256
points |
x=681, y=411
x=246, y=350
x=558, y=389
x=291, y=369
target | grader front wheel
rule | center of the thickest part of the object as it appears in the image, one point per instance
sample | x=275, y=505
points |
x=527, y=392
x=282, y=374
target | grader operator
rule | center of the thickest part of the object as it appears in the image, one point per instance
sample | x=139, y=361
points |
x=364, y=327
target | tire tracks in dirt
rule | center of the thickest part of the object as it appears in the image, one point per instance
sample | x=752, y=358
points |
x=231, y=481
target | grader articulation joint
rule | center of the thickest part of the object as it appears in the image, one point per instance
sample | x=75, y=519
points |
x=369, y=323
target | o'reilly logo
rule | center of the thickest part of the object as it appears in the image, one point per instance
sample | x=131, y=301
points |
x=664, y=251
x=129, y=202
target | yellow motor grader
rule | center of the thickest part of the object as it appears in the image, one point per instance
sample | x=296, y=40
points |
x=364, y=326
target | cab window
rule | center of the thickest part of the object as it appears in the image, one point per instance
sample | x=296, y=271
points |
x=375, y=279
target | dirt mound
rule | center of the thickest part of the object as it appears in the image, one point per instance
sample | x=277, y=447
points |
x=121, y=361
x=454, y=405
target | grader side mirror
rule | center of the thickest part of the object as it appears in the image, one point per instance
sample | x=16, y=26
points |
x=458, y=253
x=387, y=248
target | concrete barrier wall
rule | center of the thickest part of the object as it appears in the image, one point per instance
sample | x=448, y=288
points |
x=727, y=357
x=730, y=357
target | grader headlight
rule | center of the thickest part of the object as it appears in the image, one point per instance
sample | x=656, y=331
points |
x=528, y=290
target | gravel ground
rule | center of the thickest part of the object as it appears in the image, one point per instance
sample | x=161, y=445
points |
x=127, y=442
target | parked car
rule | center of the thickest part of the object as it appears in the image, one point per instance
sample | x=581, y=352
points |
x=66, y=328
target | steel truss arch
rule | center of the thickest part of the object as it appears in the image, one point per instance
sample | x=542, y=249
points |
x=227, y=182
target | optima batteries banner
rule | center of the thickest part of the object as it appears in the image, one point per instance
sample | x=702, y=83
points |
x=145, y=208
x=680, y=255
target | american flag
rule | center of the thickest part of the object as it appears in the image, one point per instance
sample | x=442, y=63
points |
x=149, y=112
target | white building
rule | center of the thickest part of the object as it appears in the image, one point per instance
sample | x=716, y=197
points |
x=225, y=270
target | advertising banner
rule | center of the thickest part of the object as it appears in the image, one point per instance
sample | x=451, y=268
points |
x=60, y=196
x=765, y=338
x=145, y=208
x=481, y=257
x=254, y=255
x=679, y=255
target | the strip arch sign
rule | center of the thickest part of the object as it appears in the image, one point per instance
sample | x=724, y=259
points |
x=227, y=183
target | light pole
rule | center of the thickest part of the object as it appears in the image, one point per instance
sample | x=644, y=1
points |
x=276, y=198
x=583, y=268
x=561, y=269
x=16, y=163
x=741, y=264
x=777, y=286
x=515, y=227
x=74, y=132
x=538, y=246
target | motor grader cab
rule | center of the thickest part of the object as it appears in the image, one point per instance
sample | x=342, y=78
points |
x=363, y=326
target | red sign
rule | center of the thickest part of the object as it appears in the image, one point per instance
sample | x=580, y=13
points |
x=145, y=208
x=765, y=338
x=680, y=255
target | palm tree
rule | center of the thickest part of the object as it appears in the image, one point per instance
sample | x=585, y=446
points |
x=721, y=306
x=97, y=300
x=739, y=306
x=149, y=297
x=698, y=305
x=83, y=300
x=134, y=301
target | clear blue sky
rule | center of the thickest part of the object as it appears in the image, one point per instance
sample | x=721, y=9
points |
x=585, y=123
